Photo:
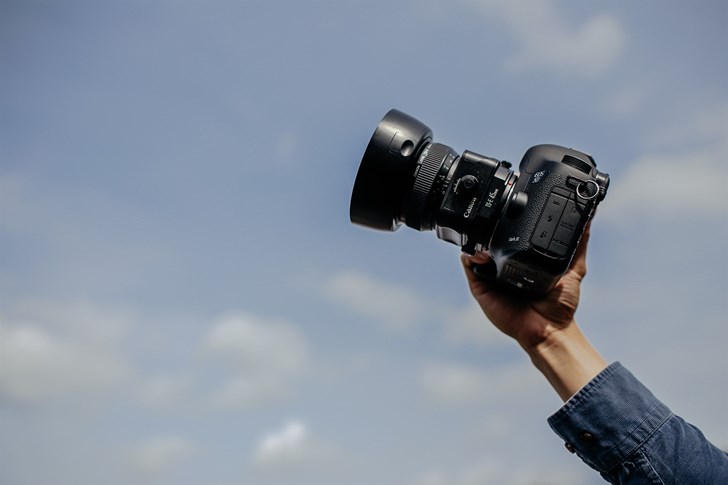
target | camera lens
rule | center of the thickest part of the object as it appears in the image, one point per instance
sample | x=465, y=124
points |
x=404, y=177
x=386, y=174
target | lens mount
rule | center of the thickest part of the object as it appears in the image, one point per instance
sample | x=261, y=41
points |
x=386, y=173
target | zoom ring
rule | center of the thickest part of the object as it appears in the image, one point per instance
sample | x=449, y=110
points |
x=426, y=175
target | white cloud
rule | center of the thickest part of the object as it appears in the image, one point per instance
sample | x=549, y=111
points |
x=397, y=307
x=400, y=309
x=247, y=361
x=292, y=445
x=262, y=356
x=258, y=344
x=695, y=125
x=549, y=41
x=166, y=391
x=670, y=186
x=469, y=326
x=58, y=351
x=454, y=383
x=684, y=179
x=161, y=453
x=465, y=385
x=284, y=444
x=248, y=390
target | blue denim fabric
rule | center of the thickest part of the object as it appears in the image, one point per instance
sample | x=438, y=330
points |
x=619, y=428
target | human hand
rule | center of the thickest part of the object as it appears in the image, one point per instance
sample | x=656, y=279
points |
x=530, y=322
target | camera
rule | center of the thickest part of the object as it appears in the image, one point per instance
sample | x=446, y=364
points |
x=529, y=222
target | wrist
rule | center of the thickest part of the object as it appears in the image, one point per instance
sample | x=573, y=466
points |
x=566, y=358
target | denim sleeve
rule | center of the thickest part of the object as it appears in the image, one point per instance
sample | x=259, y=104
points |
x=619, y=428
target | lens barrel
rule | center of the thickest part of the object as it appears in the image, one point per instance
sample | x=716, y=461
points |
x=424, y=200
x=386, y=174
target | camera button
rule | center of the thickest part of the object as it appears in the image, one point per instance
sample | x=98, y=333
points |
x=572, y=215
x=467, y=185
x=573, y=182
x=561, y=242
x=564, y=234
x=587, y=190
x=548, y=222
x=518, y=203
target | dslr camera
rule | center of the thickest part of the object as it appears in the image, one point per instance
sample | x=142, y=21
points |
x=529, y=222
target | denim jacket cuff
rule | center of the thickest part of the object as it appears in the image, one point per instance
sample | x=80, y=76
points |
x=609, y=418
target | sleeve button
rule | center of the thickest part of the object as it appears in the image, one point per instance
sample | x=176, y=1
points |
x=587, y=438
x=570, y=447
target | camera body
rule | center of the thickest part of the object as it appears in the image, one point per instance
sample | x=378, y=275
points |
x=530, y=222
x=545, y=209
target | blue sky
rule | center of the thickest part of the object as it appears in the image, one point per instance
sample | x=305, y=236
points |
x=184, y=301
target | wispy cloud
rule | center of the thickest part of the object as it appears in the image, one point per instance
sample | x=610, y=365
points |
x=684, y=176
x=262, y=358
x=397, y=307
x=547, y=40
x=454, y=383
x=401, y=308
x=168, y=391
x=160, y=453
x=60, y=350
x=242, y=360
x=293, y=445
x=469, y=326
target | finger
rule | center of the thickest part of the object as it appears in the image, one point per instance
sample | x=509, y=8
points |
x=479, y=285
x=468, y=263
x=578, y=264
x=470, y=260
x=479, y=258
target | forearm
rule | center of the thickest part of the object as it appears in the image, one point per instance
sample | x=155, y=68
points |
x=567, y=360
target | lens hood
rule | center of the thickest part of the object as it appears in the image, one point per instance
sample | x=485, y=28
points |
x=386, y=172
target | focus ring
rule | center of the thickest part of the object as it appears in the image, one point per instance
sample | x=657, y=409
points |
x=426, y=174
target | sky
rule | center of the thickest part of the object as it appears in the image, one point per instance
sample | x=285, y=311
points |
x=183, y=299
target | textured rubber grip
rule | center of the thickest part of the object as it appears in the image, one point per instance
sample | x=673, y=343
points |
x=416, y=216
